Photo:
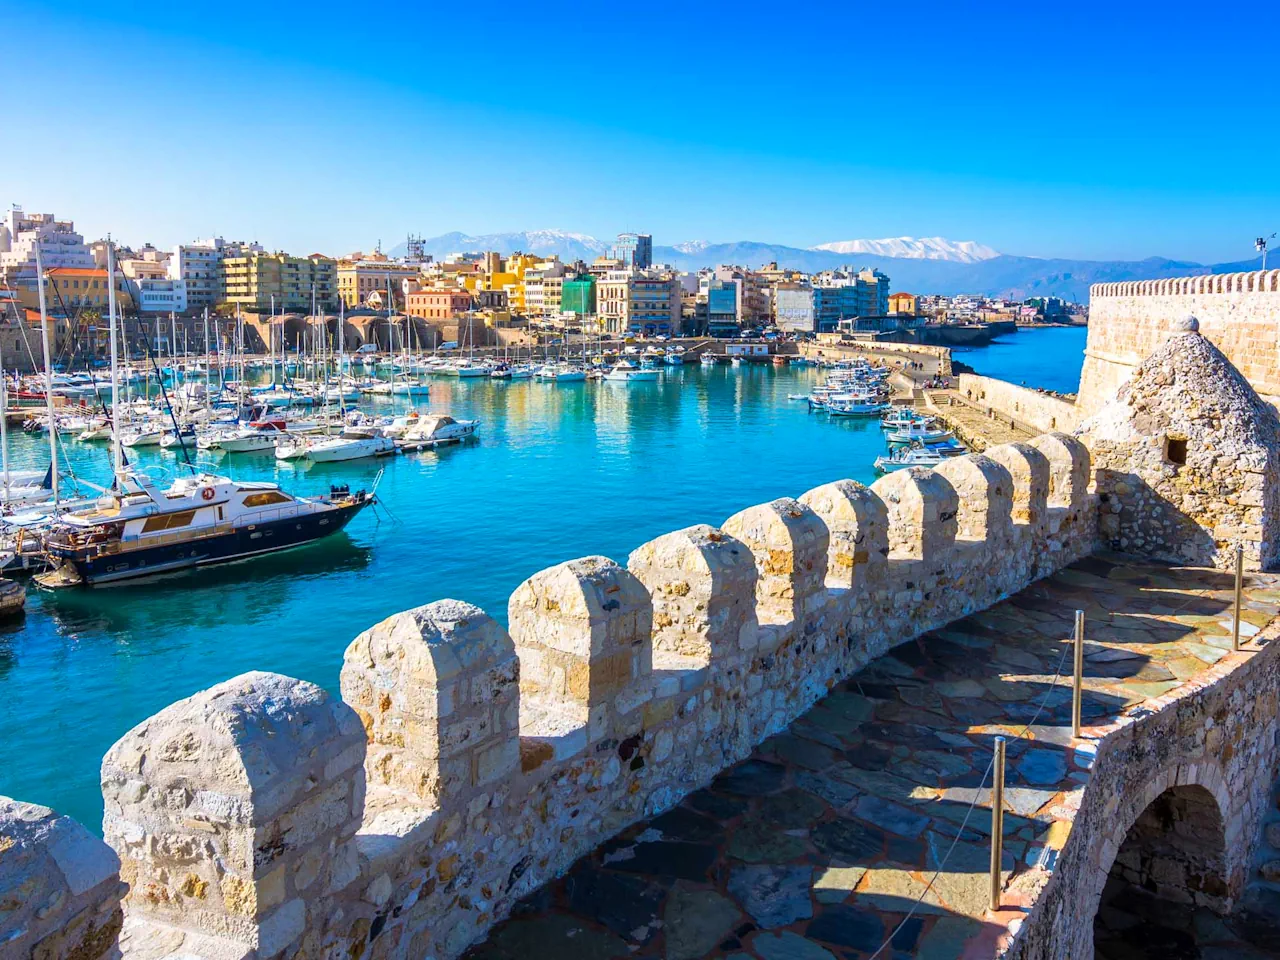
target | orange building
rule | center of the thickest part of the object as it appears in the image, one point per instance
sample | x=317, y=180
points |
x=72, y=287
x=438, y=304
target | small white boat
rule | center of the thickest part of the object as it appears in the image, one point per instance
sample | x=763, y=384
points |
x=348, y=446
x=145, y=436
x=436, y=429
x=856, y=407
x=707, y=359
x=926, y=432
x=409, y=388
x=624, y=371
x=917, y=456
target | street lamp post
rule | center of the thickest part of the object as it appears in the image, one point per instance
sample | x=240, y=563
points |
x=1261, y=245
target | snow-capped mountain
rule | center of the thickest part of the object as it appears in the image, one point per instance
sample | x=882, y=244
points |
x=909, y=248
x=569, y=246
x=692, y=246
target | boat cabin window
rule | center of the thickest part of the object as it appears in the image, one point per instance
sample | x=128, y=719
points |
x=168, y=521
x=265, y=499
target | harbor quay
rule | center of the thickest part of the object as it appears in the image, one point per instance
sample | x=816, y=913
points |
x=1018, y=703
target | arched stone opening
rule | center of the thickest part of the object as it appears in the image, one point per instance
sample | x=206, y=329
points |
x=1167, y=886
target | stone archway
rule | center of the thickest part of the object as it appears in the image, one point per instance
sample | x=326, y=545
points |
x=1169, y=881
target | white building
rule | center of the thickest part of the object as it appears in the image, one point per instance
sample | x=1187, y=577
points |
x=60, y=245
x=155, y=295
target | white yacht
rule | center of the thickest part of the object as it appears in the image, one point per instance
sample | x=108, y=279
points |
x=348, y=446
x=436, y=429
x=624, y=371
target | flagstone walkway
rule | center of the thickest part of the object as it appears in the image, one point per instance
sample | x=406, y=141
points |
x=817, y=846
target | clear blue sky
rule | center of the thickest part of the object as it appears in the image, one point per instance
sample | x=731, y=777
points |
x=1116, y=130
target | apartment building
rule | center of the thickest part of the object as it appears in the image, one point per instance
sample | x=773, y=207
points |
x=261, y=281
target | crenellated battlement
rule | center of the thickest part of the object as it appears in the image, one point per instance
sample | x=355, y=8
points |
x=1256, y=281
x=467, y=764
x=1129, y=321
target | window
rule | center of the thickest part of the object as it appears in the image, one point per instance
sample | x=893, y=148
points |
x=1175, y=450
x=168, y=521
x=264, y=499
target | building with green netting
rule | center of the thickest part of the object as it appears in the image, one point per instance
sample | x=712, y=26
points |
x=579, y=296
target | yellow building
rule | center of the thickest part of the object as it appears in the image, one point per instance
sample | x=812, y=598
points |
x=259, y=280
x=73, y=287
x=357, y=279
x=903, y=303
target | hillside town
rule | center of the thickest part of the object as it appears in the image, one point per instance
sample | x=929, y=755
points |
x=485, y=297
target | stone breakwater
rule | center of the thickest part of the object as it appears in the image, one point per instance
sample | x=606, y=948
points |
x=467, y=765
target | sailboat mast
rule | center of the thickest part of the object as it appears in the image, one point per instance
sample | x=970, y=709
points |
x=117, y=454
x=48, y=377
x=208, y=359
x=4, y=427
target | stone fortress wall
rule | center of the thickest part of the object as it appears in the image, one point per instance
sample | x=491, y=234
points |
x=466, y=765
x=1239, y=312
x=1040, y=411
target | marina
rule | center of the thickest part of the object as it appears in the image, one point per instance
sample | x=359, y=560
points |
x=545, y=467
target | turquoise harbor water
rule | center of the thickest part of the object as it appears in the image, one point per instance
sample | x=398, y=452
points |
x=1050, y=358
x=557, y=472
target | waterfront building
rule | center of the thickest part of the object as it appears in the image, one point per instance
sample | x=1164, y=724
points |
x=902, y=303
x=258, y=281
x=359, y=278
x=634, y=303
x=149, y=263
x=634, y=250
x=794, y=308
x=723, y=298
x=439, y=303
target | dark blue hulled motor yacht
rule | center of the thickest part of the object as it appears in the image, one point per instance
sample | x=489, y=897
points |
x=199, y=520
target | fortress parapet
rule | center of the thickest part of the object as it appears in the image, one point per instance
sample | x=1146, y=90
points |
x=467, y=764
x=1128, y=321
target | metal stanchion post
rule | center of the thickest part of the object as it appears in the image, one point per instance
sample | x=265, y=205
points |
x=1077, y=686
x=1235, y=620
x=997, y=822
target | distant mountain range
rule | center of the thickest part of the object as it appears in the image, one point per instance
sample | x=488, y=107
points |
x=928, y=265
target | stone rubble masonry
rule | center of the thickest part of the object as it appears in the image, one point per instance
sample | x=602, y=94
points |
x=1214, y=738
x=466, y=766
x=60, y=888
x=1129, y=321
x=1221, y=486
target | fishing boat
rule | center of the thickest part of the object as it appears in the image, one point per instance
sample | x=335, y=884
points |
x=435, y=430
x=142, y=530
x=624, y=371
x=928, y=431
x=707, y=359
x=915, y=456
x=858, y=406
x=901, y=417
